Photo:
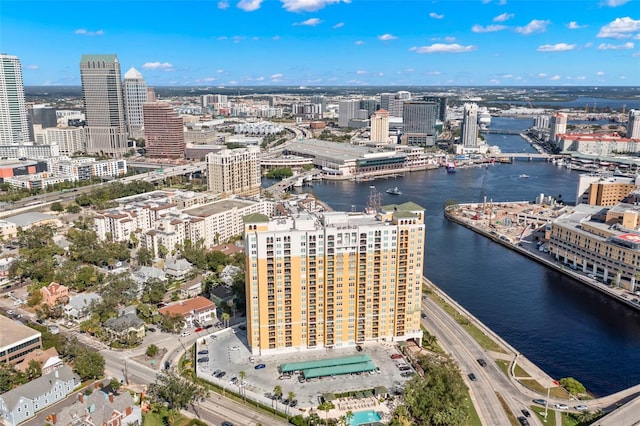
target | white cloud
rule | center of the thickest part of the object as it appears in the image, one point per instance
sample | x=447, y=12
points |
x=507, y=76
x=276, y=38
x=249, y=5
x=308, y=5
x=449, y=39
x=386, y=37
x=255, y=38
x=82, y=31
x=238, y=39
x=608, y=46
x=555, y=77
x=434, y=73
x=208, y=79
x=275, y=76
x=260, y=78
x=32, y=67
x=359, y=43
x=443, y=48
x=158, y=66
x=338, y=25
x=379, y=74
x=635, y=55
x=488, y=29
x=558, y=47
x=581, y=77
x=503, y=17
x=535, y=26
x=600, y=73
x=434, y=15
x=573, y=25
x=222, y=38
x=613, y=3
x=620, y=28
x=362, y=72
x=223, y=4
x=220, y=71
x=311, y=22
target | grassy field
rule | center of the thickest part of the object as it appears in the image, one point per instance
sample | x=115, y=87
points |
x=551, y=415
x=512, y=419
x=556, y=392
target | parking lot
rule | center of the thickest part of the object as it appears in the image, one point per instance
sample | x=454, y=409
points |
x=228, y=352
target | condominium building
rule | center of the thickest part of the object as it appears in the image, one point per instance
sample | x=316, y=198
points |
x=70, y=140
x=14, y=125
x=419, y=123
x=234, y=171
x=469, y=130
x=333, y=279
x=163, y=131
x=104, y=104
x=558, y=126
x=380, y=126
x=633, y=125
x=135, y=94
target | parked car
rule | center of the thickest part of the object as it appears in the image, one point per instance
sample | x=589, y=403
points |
x=396, y=356
x=225, y=423
x=215, y=373
x=523, y=421
x=358, y=348
x=199, y=329
x=203, y=352
x=424, y=316
x=221, y=374
x=259, y=366
x=235, y=348
x=203, y=359
x=185, y=333
x=561, y=406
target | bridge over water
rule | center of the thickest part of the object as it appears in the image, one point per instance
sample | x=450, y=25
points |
x=501, y=131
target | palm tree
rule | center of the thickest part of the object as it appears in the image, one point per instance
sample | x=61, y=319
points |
x=348, y=416
x=277, y=394
x=225, y=318
x=290, y=397
x=242, y=375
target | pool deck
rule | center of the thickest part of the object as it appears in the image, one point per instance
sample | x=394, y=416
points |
x=344, y=405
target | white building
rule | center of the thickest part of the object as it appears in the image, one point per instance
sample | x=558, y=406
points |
x=70, y=140
x=380, y=126
x=469, y=131
x=234, y=171
x=29, y=150
x=633, y=125
x=135, y=94
x=558, y=125
x=14, y=126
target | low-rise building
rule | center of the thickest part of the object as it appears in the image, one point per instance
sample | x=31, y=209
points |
x=25, y=401
x=99, y=409
x=197, y=310
x=191, y=288
x=54, y=293
x=17, y=341
x=48, y=359
x=79, y=306
x=177, y=268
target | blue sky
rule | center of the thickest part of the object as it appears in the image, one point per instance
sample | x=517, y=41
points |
x=331, y=42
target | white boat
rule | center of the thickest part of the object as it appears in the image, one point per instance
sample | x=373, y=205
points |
x=524, y=176
x=394, y=191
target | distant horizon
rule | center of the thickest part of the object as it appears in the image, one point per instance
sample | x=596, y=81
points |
x=404, y=43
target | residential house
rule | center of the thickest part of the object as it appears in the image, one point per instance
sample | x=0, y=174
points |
x=5, y=263
x=99, y=409
x=54, y=293
x=126, y=323
x=191, y=288
x=198, y=310
x=47, y=358
x=222, y=295
x=144, y=274
x=228, y=274
x=177, y=268
x=25, y=401
x=79, y=306
x=228, y=249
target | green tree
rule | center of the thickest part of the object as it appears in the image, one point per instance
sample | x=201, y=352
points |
x=277, y=394
x=572, y=386
x=73, y=209
x=175, y=391
x=225, y=319
x=88, y=364
x=152, y=350
x=115, y=384
x=326, y=406
x=57, y=207
x=154, y=291
x=171, y=323
x=10, y=377
x=242, y=375
x=144, y=256
x=290, y=396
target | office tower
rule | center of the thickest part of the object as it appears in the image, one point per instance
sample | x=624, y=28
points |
x=135, y=94
x=380, y=126
x=234, y=171
x=347, y=110
x=558, y=125
x=321, y=100
x=370, y=105
x=334, y=279
x=386, y=101
x=419, y=123
x=633, y=125
x=393, y=102
x=41, y=116
x=442, y=106
x=103, y=104
x=163, y=131
x=469, y=131
x=14, y=124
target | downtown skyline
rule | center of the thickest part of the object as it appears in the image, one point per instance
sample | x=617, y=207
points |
x=331, y=42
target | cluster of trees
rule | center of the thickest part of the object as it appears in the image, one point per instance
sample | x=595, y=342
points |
x=280, y=173
x=175, y=391
x=438, y=398
x=327, y=135
x=103, y=197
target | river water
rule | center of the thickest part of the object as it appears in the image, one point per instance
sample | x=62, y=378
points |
x=565, y=328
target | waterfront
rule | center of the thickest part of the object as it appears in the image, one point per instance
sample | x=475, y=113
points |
x=559, y=324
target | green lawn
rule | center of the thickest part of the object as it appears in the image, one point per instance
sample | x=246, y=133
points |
x=512, y=419
x=539, y=411
x=506, y=365
x=474, y=420
x=556, y=392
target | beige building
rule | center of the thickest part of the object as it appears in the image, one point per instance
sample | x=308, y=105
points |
x=334, y=279
x=558, y=126
x=17, y=340
x=604, y=190
x=234, y=171
x=380, y=126
x=602, y=242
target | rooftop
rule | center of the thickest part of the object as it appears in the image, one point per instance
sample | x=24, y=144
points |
x=218, y=207
x=13, y=331
x=186, y=306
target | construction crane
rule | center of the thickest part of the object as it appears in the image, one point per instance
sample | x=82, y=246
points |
x=482, y=187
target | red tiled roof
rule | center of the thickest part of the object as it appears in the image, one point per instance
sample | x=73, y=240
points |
x=184, y=307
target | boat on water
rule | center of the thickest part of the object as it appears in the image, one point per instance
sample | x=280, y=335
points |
x=394, y=191
x=524, y=176
x=451, y=167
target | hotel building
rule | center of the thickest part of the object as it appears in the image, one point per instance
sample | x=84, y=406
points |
x=334, y=279
x=234, y=171
x=104, y=105
x=558, y=126
x=380, y=126
x=14, y=124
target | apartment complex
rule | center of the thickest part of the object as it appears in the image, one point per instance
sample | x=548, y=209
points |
x=104, y=105
x=234, y=171
x=604, y=145
x=14, y=126
x=633, y=125
x=603, y=242
x=557, y=125
x=163, y=131
x=469, y=130
x=333, y=279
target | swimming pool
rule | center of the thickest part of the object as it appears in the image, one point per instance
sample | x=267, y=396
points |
x=365, y=417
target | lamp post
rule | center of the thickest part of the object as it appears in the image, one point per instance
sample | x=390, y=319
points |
x=125, y=370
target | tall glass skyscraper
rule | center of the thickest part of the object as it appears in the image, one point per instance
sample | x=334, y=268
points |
x=104, y=105
x=14, y=125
